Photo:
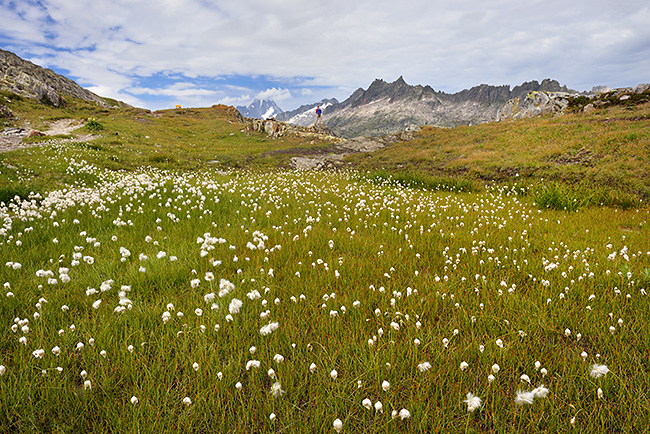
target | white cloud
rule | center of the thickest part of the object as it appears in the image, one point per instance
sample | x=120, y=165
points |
x=337, y=44
x=274, y=94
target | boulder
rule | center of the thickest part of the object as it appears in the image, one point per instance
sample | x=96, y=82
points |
x=35, y=133
x=642, y=88
x=588, y=108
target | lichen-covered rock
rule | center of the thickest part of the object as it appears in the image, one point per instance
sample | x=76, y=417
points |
x=535, y=104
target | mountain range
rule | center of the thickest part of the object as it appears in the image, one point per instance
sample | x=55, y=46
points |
x=382, y=108
x=387, y=108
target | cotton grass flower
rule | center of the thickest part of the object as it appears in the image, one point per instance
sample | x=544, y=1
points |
x=523, y=397
x=87, y=385
x=540, y=391
x=464, y=365
x=134, y=400
x=187, y=401
x=404, y=414
x=367, y=404
x=385, y=385
x=334, y=374
x=235, y=305
x=276, y=390
x=473, y=402
x=338, y=425
x=252, y=364
x=598, y=371
x=424, y=366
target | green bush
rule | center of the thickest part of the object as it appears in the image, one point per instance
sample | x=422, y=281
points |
x=94, y=126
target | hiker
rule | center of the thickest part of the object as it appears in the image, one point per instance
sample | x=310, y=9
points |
x=318, y=113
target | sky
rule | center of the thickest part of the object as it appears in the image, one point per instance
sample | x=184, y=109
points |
x=156, y=54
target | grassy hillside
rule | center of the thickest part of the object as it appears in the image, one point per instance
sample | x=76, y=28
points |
x=129, y=138
x=607, y=148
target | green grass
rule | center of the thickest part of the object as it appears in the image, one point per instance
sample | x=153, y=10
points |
x=471, y=235
x=468, y=267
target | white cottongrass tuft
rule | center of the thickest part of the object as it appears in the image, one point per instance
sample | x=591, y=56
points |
x=334, y=374
x=385, y=385
x=528, y=397
x=379, y=407
x=424, y=366
x=276, y=390
x=404, y=414
x=464, y=365
x=598, y=371
x=338, y=425
x=523, y=397
x=367, y=404
x=252, y=364
x=473, y=402
x=234, y=306
x=134, y=400
x=269, y=328
x=540, y=391
x=187, y=401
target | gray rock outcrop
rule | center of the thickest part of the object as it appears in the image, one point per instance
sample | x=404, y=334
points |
x=535, y=104
x=24, y=78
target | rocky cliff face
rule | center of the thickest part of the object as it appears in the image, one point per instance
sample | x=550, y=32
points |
x=32, y=81
x=387, y=108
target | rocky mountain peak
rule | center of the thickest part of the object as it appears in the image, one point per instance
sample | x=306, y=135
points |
x=260, y=109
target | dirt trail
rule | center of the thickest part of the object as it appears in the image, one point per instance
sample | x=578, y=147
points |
x=11, y=138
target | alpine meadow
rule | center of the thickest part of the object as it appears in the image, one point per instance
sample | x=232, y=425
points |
x=172, y=272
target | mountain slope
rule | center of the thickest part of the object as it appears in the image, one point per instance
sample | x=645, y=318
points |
x=32, y=81
x=305, y=115
x=386, y=108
